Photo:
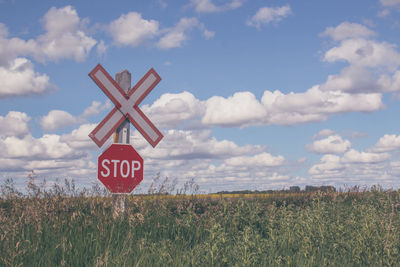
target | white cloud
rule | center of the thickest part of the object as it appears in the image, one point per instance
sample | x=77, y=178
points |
x=207, y=6
x=353, y=156
x=101, y=48
x=355, y=168
x=373, y=66
x=208, y=34
x=333, y=144
x=323, y=133
x=183, y=145
x=176, y=36
x=389, y=142
x=257, y=161
x=389, y=83
x=65, y=37
x=162, y=4
x=266, y=15
x=213, y=163
x=372, y=166
x=315, y=105
x=354, y=79
x=14, y=124
x=52, y=155
x=347, y=30
x=56, y=119
x=390, y=3
x=131, y=29
x=241, y=109
x=13, y=47
x=46, y=147
x=328, y=165
x=95, y=108
x=365, y=53
x=20, y=79
x=172, y=110
x=79, y=138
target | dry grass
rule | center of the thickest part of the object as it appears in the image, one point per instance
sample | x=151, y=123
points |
x=61, y=228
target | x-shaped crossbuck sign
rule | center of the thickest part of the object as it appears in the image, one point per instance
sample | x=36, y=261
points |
x=126, y=106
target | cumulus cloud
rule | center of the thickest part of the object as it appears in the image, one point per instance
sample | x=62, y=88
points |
x=95, y=108
x=79, y=138
x=347, y=30
x=101, y=48
x=207, y=6
x=389, y=83
x=373, y=66
x=28, y=147
x=14, y=124
x=10, y=48
x=197, y=154
x=353, y=167
x=328, y=165
x=65, y=36
x=354, y=156
x=51, y=154
x=20, y=78
x=257, y=161
x=266, y=15
x=131, y=29
x=184, y=144
x=241, y=109
x=365, y=53
x=323, y=133
x=177, y=35
x=333, y=144
x=389, y=142
x=315, y=105
x=172, y=110
x=354, y=79
x=356, y=167
x=56, y=119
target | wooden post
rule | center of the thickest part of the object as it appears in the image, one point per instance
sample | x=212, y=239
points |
x=122, y=136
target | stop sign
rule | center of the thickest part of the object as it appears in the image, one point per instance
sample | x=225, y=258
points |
x=120, y=168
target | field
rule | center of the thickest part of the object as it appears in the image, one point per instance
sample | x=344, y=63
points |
x=59, y=228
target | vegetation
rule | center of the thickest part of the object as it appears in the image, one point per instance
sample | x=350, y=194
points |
x=63, y=227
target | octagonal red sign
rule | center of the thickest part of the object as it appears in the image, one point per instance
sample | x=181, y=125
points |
x=120, y=168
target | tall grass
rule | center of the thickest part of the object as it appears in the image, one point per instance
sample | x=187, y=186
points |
x=337, y=229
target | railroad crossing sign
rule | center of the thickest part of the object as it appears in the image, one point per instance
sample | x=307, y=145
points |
x=126, y=106
x=120, y=168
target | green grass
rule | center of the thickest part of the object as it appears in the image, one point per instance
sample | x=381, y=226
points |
x=336, y=229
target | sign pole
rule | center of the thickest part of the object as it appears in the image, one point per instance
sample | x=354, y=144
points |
x=122, y=136
x=120, y=167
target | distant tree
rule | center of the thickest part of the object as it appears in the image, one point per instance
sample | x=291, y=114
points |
x=327, y=188
x=310, y=188
x=324, y=188
x=294, y=189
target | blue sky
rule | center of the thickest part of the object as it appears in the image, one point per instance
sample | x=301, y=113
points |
x=254, y=94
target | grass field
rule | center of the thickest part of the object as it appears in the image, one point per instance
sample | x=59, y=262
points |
x=322, y=229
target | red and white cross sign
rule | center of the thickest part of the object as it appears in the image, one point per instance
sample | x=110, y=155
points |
x=126, y=106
